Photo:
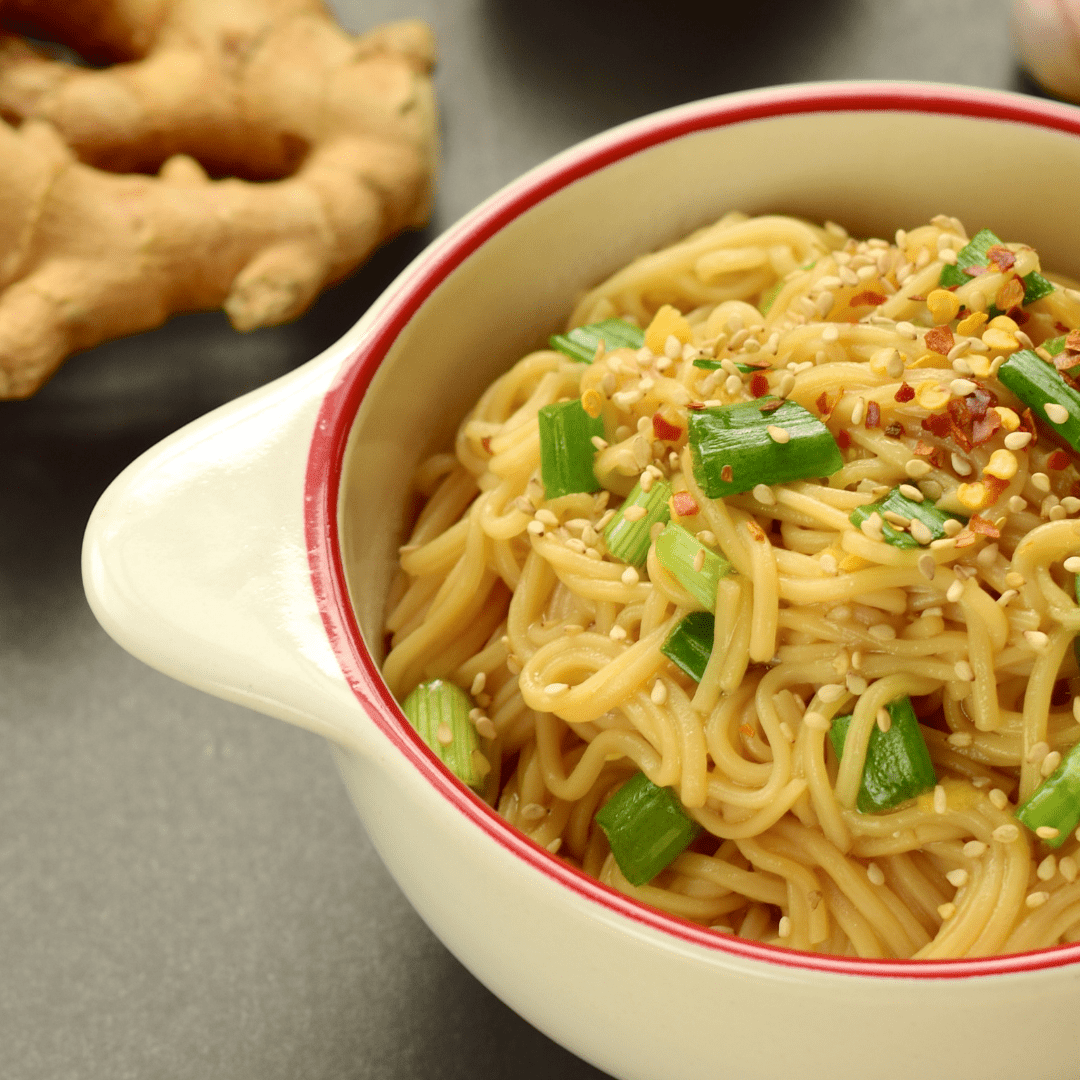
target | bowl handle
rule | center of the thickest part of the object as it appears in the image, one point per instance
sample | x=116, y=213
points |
x=194, y=560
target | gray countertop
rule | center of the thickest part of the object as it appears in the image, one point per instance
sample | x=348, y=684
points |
x=185, y=890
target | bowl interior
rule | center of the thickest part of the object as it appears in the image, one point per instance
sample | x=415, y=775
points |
x=494, y=287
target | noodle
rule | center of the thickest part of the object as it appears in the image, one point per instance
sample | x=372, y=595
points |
x=516, y=597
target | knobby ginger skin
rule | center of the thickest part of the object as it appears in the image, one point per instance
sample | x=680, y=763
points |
x=111, y=222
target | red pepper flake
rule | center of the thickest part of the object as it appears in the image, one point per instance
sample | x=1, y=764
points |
x=1061, y=328
x=938, y=424
x=959, y=412
x=1019, y=316
x=696, y=406
x=759, y=385
x=873, y=414
x=1072, y=342
x=822, y=404
x=931, y=453
x=940, y=340
x=984, y=528
x=905, y=393
x=965, y=539
x=979, y=400
x=755, y=531
x=1057, y=461
x=725, y=474
x=1001, y=257
x=1027, y=423
x=485, y=442
x=843, y=438
x=994, y=487
x=868, y=298
x=975, y=271
x=746, y=731
x=770, y=406
x=895, y=430
x=983, y=428
x=663, y=430
x=1011, y=294
x=684, y=504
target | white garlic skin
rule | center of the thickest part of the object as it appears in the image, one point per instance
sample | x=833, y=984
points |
x=1047, y=38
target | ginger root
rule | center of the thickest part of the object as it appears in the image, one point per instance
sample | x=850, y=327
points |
x=109, y=219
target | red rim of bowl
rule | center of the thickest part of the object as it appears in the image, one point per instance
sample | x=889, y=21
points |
x=343, y=399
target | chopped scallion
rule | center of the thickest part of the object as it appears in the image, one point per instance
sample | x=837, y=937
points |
x=1055, y=803
x=898, y=765
x=1055, y=346
x=690, y=643
x=898, y=503
x=974, y=255
x=439, y=710
x=706, y=364
x=627, y=538
x=767, y=441
x=581, y=342
x=768, y=297
x=646, y=827
x=1039, y=384
x=566, y=449
x=697, y=569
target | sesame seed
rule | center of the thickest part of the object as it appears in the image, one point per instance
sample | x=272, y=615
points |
x=1014, y=580
x=1006, y=596
x=617, y=633
x=699, y=560
x=1055, y=413
x=630, y=576
x=963, y=671
x=921, y=532
x=917, y=468
x=533, y=811
x=1047, y=869
x=1017, y=440
x=905, y=329
x=941, y=802
x=733, y=385
x=485, y=727
x=946, y=911
x=1068, y=868
x=961, y=739
x=1006, y=834
x=999, y=798
x=883, y=720
x=1072, y=564
x=962, y=387
x=763, y=493
x=785, y=730
x=830, y=692
x=478, y=683
x=957, y=878
x=856, y=660
x=1040, y=481
x=1071, y=504
x=856, y=684
x=658, y=694
x=555, y=844
x=672, y=347
x=1050, y=763
x=816, y=721
x=829, y=564
x=707, y=538
x=988, y=556
x=535, y=528
x=882, y=631
x=785, y=927
x=633, y=513
x=858, y=411
x=960, y=464
x=823, y=304
x=974, y=848
x=830, y=333
x=1036, y=639
x=954, y=592
x=556, y=688
x=444, y=733
x=778, y=434
x=787, y=384
x=875, y=874
x=547, y=517
x=1036, y=899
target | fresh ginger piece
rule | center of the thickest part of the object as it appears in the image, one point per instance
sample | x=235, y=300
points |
x=667, y=322
x=341, y=127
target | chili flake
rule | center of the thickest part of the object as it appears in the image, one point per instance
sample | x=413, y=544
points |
x=1001, y=257
x=940, y=340
x=905, y=393
x=759, y=385
x=1057, y=461
x=873, y=414
x=983, y=527
x=664, y=430
x=843, y=438
x=725, y=474
x=684, y=504
x=867, y=298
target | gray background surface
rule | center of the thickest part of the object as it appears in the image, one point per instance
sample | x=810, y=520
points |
x=185, y=890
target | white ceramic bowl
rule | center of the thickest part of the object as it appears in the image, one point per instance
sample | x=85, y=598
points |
x=249, y=555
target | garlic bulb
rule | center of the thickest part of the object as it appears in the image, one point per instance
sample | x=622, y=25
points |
x=1047, y=36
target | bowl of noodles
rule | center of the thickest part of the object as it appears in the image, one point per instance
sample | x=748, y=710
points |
x=681, y=556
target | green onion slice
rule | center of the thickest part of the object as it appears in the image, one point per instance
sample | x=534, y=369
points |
x=435, y=704
x=690, y=643
x=566, y=449
x=926, y=512
x=1055, y=803
x=1055, y=346
x=629, y=540
x=898, y=765
x=707, y=364
x=733, y=451
x=1038, y=384
x=646, y=827
x=974, y=254
x=581, y=342
x=680, y=552
x=768, y=297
